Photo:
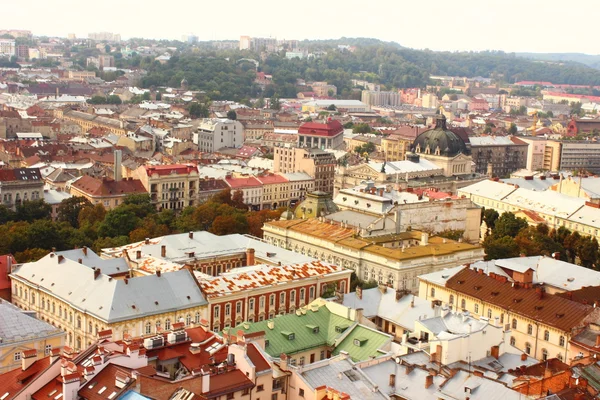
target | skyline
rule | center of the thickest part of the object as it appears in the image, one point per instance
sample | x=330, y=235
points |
x=474, y=26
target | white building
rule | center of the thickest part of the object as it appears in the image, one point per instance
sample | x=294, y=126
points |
x=216, y=133
x=7, y=48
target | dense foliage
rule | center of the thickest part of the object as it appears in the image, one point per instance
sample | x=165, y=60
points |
x=29, y=233
x=510, y=236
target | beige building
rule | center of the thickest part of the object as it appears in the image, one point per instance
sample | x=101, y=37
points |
x=81, y=75
x=136, y=142
x=106, y=191
x=25, y=333
x=19, y=185
x=540, y=324
x=394, y=147
x=318, y=164
x=171, y=187
x=394, y=260
x=82, y=294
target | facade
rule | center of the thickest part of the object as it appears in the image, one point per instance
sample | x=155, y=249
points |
x=261, y=292
x=19, y=185
x=580, y=155
x=394, y=260
x=322, y=136
x=99, y=301
x=251, y=188
x=24, y=332
x=88, y=121
x=378, y=98
x=106, y=191
x=216, y=133
x=498, y=155
x=171, y=187
x=7, y=48
x=318, y=164
x=540, y=324
x=394, y=147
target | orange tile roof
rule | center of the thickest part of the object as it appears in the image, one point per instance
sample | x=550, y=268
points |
x=12, y=382
x=257, y=358
x=551, y=310
x=108, y=187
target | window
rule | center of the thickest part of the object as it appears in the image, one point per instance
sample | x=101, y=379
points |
x=544, y=354
x=272, y=300
x=311, y=292
x=43, y=303
x=514, y=323
x=33, y=298
x=148, y=328
x=227, y=309
x=302, y=294
x=197, y=318
x=89, y=327
x=230, y=396
x=529, y=329
x=17, y=356
x=463, y=304
x=528, y=348
x=561, y=340
x=48, y=349
x=216, y=311
x=432, y=292
x=301, y=392
x=476, y=308
x=157, y=325
x=274, y=395
x=238, y=308
x=251, y=304
x=53, y=308
x=260, y=388
x=451, y=299
x=546, y=336
x=167, y=324
x=489, y=313
x=281, y=298
x=78, y=322
x=188, y=319
x=301, y=361
x=512, y=341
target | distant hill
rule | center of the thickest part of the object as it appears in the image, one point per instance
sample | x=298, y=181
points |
x=586, y=59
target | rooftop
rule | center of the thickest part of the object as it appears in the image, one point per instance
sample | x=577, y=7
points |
x=18, y=326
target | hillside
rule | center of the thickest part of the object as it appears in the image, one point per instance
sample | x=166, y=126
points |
x=587, y=59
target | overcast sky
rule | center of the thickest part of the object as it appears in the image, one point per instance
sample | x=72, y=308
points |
x=509, y=25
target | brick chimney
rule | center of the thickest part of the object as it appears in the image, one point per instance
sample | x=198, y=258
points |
x=283, y=364
x=147, y=241
x=158, y=273
x=495, y=352
x=191, y=234
x=428, y=381
x=28, y=357
x=556, y=255
x=97, y=273
x=523, y=357
x=163, y=251
x=250, y=257
x=359, y=292
x=393, y=380
x=84, y=249
x=597, y=341
x=138, y=254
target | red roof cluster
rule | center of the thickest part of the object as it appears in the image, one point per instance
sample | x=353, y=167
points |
x=180, y=169
x=331, y=128
x=109, y=187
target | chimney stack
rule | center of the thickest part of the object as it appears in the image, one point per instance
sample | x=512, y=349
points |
x=96, y=273
x=191, y=235
x=250, y=257
x=495, y=352
x=147, y=241
x=392, y=380
x=28, y=357
x=359, y=292
x=158, y=272
x=163, y=251
x=428, y=381
x=118, y=157
x=84, y=249
x=556, y=255
x=80, y=261
x=598, y=341
x=523, y=357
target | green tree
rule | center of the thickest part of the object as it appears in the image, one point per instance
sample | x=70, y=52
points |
x=508, y=225
x=332, y=107
x=361, y=128
x=33, y=209
x=6, y=214
x=69, y=209
x=30, y=255
x=113, y=99
x=231, y=115
x=118, y=222
x=490, y=216
x=97, y=100
x=498, y=248
x=513, y=129
x=275, y=103
x=452, y=234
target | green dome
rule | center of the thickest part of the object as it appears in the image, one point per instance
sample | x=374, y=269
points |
x=448, y=143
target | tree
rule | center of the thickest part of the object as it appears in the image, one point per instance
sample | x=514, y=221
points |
x=113, y=99
x=33, y=209
x=274, y=103
x=332, y=107
x=198, y=110
x=490, y=216
x=497, y=248
x=508, y=225
x=69, y=209
x=231, y=115
x=91, y=215
x=361, y=128
x=513, y=129
x=118, y=222
x=30, y=255
x=6, y=214
x=260, y=103
x=97, y=100
x=452, y=234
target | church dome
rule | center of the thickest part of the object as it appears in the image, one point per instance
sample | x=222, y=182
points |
x=439, y=141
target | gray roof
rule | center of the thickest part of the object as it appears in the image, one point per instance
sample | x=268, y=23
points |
x=16, y=326
x=111, y=300
x=111, y=266
x=480, y=388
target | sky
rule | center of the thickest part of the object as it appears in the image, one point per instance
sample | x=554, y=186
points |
x=465, y=25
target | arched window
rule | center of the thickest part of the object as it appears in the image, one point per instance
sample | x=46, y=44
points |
x=513, y=341
x=89, y=327
x=43, y=303
x=546, y=336
x=544, y=354
x=168, y=324
x=96, y=330
x=158, y=326
x=561, y=340
x=78, y=322
x=78, y=343
x=59, y=311
x=489, y=313
x=529, y=329
x=71, y=317
x=514, y=323
x=53, y=308
x=528, y=348
x=33, y=298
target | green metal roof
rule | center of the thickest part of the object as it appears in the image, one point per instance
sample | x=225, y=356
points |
x=303, y=327
x=370, y=340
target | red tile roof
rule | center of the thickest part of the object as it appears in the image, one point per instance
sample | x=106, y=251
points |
x=240, y=183
x=331, y=128
x=228, y=382
x=13, y=381
x=272, y=179
x=107, y=187
x=257, y=358
x=180, y=169
x=105, y=378
x=552, y=310
x=585, y=295
x=5, y=265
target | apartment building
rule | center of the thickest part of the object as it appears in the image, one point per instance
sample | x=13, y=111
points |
x=394, y=260
x=540, y=324
x=379, y=98
x=394, y=147
x=316, y=163
x=322, y=136
x=498, y=155
x=19, y=185
x=213, y=134
x=106, y=191
x=171, y=187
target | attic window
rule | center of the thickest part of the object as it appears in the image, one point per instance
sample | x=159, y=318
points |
x=267, y=343
x=570, y=279
x=495, y=293
x=156, y=302
x=538, y=307
x=560, y=315
x=344, y=198
x=290, y=335
x=460, y=282
x=358, y=342
x=314, y=328
x=517, y=300
x=477, y=287
x=341, y=328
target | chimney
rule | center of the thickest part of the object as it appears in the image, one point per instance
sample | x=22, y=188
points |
x=84, y=249
x=495, y=352
x=478, y=373
x=428, y=381
x=393, y=380
x=191, y=234
x=60, y=259
x=283, y=364
x=250, y=257
x=359, y=292
x=80, y=261
x=381, y=192
x=96, y=273
x=138, y=254
x=412, y=302
x=598, y=341
x=158, y=273
x=28, y=357
x=163, y=251
x=556, y=255
x=540, y=291
x=147, y=241
x=117, y=167
x=424, y=239
x=523, y=357
x=398, y=295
